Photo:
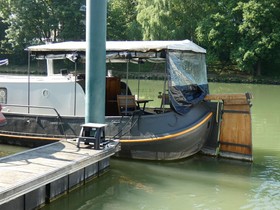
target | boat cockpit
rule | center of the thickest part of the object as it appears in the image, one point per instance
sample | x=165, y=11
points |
x=185, y=80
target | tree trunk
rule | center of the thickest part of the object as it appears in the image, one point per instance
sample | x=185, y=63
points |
x=259, y=69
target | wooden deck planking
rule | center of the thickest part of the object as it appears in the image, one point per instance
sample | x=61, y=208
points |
x=235, y=137
x=29, y=170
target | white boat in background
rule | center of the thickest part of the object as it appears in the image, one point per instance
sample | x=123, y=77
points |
x=51, y=107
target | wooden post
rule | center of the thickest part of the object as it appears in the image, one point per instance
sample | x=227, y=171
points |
x=235, y=139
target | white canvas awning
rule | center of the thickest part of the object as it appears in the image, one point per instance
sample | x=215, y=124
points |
x=120, y=46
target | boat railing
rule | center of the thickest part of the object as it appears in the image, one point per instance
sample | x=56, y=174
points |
x=29, y=107
x=60, y=121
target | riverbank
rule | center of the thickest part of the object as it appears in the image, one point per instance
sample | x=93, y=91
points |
x=243, y=78
x=213, y=76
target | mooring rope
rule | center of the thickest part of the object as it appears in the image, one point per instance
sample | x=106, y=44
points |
x=132, y=124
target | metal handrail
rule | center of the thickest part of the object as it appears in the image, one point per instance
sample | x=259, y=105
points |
x=38, y=107
x=32, y=106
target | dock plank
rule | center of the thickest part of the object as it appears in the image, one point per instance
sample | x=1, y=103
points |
x=28, y=170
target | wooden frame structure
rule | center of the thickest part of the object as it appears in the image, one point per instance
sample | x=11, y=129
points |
x=235, y=125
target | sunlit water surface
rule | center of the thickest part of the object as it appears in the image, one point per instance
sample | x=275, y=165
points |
x=6, y=150
x=198, y=182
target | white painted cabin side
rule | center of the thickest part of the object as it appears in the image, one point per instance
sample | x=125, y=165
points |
x=55, y=91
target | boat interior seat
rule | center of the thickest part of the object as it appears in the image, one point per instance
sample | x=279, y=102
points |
x=165, y=104
x=126, y=104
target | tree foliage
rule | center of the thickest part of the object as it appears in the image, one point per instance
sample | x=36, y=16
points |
x=242, y=32
x=259, y=32
x=245, y=33
x=36, y=21
x=121, y=21
x=164, y=19
x=219, y=29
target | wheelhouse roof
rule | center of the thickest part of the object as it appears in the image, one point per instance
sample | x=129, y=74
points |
x=119, y=46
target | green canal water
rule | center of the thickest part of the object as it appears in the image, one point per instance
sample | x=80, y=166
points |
x=6, y=150
x=198, y=182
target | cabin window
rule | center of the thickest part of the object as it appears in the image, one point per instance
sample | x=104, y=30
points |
x=3, y=95
x=187, y=68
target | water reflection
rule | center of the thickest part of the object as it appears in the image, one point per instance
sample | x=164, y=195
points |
x=265, y=193
x=195, y=183
x=6, y=150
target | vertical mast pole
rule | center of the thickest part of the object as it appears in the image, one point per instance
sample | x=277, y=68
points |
x=96, y=12
x=28, y=83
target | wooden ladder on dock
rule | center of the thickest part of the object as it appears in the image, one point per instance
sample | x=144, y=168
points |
x=235, y=125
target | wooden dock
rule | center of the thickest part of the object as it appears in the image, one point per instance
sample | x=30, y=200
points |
x=33, y=178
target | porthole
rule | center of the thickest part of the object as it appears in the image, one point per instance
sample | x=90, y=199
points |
x=3, y=95
x=45, y=93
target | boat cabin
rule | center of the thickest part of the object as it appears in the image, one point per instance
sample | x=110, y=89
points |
x=63, y=93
